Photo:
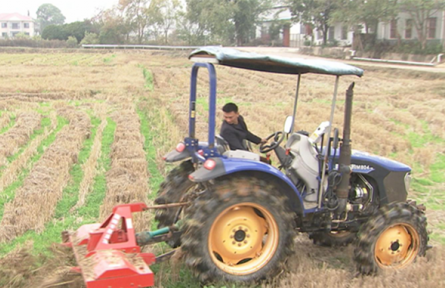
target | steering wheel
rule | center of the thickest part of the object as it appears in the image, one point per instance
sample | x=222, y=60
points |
x=277, y=139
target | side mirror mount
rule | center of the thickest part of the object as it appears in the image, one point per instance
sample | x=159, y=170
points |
x=288, y=125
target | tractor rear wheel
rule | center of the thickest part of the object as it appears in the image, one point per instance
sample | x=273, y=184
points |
x=391, y=239
x=240, y=231
x=333, y=238
x=174, y=189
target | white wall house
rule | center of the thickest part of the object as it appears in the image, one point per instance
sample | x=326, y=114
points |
x=291, y=35
x=403, y=28
x=340, y=34
x=295, y=34
x=13, y=23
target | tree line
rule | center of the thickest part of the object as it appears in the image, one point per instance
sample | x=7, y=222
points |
x=229, y=22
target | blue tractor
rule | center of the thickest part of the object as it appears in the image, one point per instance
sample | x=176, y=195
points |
x=244, y=213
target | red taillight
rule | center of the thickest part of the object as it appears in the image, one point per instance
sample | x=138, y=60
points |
x=180, y=147
x=191, y=177
x=209, y=164
x=201, y=152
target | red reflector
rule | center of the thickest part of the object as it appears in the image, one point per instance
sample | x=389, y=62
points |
x=209, y=164
x=180, y=147
x=201, y=152
x=164, y=158
x=191, y=177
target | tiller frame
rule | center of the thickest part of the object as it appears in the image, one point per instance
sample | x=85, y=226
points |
x=109, y=254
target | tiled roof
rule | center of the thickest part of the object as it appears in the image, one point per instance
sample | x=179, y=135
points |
x=14, y=17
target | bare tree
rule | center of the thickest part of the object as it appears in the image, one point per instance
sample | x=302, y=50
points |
x=140, y=14
x=168, y=16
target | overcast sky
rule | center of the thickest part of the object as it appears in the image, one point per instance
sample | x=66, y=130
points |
x=73, y=10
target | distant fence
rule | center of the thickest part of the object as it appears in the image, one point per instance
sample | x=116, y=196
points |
x=156, y=47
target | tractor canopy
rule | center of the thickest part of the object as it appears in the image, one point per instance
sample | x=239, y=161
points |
x=253, y=61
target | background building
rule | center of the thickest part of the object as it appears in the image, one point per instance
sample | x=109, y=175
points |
x=12, y=24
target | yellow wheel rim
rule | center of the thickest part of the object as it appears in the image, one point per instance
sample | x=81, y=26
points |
x=397, y=246
x=243, y=239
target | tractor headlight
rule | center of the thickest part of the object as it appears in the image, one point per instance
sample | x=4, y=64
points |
x=407, y=182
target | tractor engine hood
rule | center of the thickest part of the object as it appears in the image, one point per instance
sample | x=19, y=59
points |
x=364, y=161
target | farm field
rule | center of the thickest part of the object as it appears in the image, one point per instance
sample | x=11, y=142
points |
x=81, y=132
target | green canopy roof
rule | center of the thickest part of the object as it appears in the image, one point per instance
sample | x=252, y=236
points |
x=253, y=61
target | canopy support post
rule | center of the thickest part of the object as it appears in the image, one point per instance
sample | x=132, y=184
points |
x=295, y=102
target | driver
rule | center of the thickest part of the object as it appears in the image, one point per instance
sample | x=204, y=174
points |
x=234, y=129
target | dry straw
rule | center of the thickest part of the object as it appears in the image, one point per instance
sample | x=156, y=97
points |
x=36, y=200
x=324, y=267
x=19, y=134
x=11, y=172
x=127, y=178
x=4, y=120
x=11, y=103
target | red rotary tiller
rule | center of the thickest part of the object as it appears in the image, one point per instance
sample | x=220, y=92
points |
x=109, y=254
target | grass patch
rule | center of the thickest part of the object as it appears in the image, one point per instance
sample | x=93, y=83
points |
x=89, y=213
x=148, y=77
x=438, y=237
x=438, y=169
x=156, y=177
x=431, y=196
x=204, y=102
x=426, y=188
x=417, y=140
x=108, y=60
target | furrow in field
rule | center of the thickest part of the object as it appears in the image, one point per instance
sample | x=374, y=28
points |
x=11, y=103
x=36, y=200
x=90, y=167
x=127, y=178
x=19, y=134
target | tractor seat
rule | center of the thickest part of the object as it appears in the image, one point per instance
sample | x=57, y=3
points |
x=224, y=149
x=221, y=144
x=242, y=154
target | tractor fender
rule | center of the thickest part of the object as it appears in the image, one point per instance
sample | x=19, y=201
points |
x=174, y=156
x=230, y=166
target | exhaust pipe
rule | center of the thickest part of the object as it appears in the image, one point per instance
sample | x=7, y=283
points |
x=344, y=161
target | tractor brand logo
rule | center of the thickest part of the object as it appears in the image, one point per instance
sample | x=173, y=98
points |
x=357, y=167
x=361, y=167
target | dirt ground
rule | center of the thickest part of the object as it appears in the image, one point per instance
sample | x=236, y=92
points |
x=398, y=113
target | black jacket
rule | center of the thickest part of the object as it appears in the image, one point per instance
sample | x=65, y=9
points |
x=234, y=134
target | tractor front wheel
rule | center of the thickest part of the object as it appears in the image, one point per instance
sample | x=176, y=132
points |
x=391, y=239
x=241, y=231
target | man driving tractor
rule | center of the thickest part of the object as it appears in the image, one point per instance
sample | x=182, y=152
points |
x=234, y=129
